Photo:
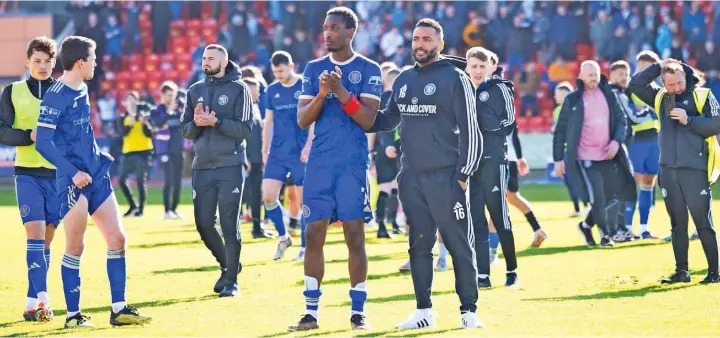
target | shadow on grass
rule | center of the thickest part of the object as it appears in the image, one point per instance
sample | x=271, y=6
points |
x=642, y=292
x=347, y=280
x=530, y=252
x=294, y=334
x=55, y=332
x=396, y=298
x=412, y=333
x=186, y=243
x=377, y=258
x=216, y=267
x=171, y=231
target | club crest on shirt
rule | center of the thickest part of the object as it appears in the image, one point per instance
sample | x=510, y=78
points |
x=484, y=96
x=355, y=77
x=24, y=210
x=305, y=211
x=296, y=95
x=414, y=100
x=223, y=100
x=429, y=89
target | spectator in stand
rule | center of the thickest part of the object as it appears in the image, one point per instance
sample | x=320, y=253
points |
x=649, y=21
x=106, y=108
x=709, y=58
x=677, y=51
x=427, y=11
x=160, y=16
x=638, y=35
x=663, y=40
x=199, y=50
x=601, y=35
x=560, y=71
x=224, y=38
x=499, y=30
x=453, y=25
x=240, y=32
x=541, y=27
x=132, y=27
x=713, y=81
x=92, y=31
x=390, y=42
x=563, y=33
x=398, y=15
x=623, y=16
x=254, y=29
x=519, y=44
x=473, y=32
x=527, y=84
x=693, y=24
x=620, y=45
x=363, y=42
x=277, y=35
x=302, y=49
x=114, y=34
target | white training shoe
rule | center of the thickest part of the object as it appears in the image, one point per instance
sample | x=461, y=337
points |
x=420, y=319
x=405, y=267
x=169, y=215
x=282, y=246
x=177, y=215
x=300, y=256
x=469, y=320
x=441, y=264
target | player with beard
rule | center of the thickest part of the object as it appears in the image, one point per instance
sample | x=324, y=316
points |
x=340, y=95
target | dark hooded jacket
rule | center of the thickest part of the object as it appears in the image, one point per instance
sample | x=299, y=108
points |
x=496, y=115
x=222, y=145
x=681, y=146
x=567, y=133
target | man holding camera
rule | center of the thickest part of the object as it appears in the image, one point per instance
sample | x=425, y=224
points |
x=137, y=149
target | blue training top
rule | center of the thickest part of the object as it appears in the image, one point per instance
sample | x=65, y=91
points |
x=288, y=138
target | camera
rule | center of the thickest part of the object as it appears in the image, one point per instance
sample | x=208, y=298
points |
x=144, y=109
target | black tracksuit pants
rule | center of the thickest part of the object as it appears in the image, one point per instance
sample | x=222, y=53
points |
x=213, y=189
x=138, y=163
x=172, y=172
x=488, y=188
x=253, y=194
x=683, y=190
x=435, y=201
x=603, y=180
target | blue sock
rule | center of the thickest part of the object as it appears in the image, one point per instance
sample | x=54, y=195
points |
x=629, y=214
x=47, y=257
x=70, y=272
x=37, y=268
x=644, y=204
x=116, y=274
x=275, y=212
x=312, y=295
x=302, y=234
x=494, y=240
x=358, y=296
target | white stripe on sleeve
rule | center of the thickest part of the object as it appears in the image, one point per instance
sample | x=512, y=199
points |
x=474, y=137
x=509, y=104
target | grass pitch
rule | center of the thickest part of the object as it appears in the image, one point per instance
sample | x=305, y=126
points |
x=566, y=288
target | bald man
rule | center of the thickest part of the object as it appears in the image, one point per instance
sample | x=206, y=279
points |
x=593, y=127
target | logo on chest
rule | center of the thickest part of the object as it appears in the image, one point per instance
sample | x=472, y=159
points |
x=296, y=95
x=223, y=100
x=355, y=77
x=429, y=89
x=484, y=96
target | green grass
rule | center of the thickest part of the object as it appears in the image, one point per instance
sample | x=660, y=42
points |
x=567, y=289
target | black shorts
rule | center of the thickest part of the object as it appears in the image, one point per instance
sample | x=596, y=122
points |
x=514, y=179
x=386, y=169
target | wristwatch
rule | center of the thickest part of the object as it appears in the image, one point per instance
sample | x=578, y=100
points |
x=218, y=122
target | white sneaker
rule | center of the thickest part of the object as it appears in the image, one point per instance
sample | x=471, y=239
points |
x=177, y=215
x=494, y=255
x=282, y=246
x=575, y=214
x=420, y=319
x=405, y=267
x=371, y=225
x=300, y=256
x=441, y=264
x=469, y=320
x=169, y=215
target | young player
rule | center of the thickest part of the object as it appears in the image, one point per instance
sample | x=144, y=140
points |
x=65, y=138
x=34, y=176
x=341, y=95
x=285, y=145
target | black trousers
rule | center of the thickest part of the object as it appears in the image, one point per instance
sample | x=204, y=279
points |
x=488, y=189
x=172, y=168
x=139, y=164
x=252, y=195
x=214, y=189
x=435, y=201
x=683, y=190
x=603, y=183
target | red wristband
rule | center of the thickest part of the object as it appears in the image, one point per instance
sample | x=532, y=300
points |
x=352, y=106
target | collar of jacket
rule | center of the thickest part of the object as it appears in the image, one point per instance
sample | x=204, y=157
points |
x=232, y=73
x=497, y=77
x=35, y=84
x=603, y=85
x=444, y=60
x=616, y=87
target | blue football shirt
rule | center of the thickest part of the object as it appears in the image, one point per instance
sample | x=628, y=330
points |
x=288, y=138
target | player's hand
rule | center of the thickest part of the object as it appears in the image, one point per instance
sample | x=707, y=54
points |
x=612, y=150
x=679, y=114
x=249, y=167
x=523, y=168
x=390, y=152
x=305, y=153
x=560, y=169
x=324, y=84
x=81, y=179
x=205, y=119
x=33, y=134
x=212, y=119
x=336, y=80
x=463, y=185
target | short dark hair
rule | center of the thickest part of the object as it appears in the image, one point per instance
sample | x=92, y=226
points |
x=427, y=22
x=168, y=85
x=218, y=47
x=648, y=56
x=281, y=57
x=350, y=18
x=74, y=48
x=42, y=44
x=620, y=64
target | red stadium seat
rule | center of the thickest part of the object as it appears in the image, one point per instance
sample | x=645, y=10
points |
x=152, y=59
x=153, y=84
x=210, y=24
x=167, y=57
x=136, y=59
x=145, y=25
x=123, y=76
x=522, y=123
x=135, y=67
x=166, y=66
x=122, y=85
x=106, y=59
x=106, y=85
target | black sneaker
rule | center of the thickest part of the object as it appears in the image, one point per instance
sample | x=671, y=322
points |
x=306, y=323
x=230, y=291
x=677, y=277
x=220, y=284
x=358, y=322
x=261, y=234
x=383, y=233
x=138, y=213
x=78, y=320
x=131, y=212
x=712, y=278
x=484, y=282
x=607, y=242
x=587, y=233
x=511, y=280
x=128, y=316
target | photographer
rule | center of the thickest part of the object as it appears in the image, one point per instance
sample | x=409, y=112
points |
x=137, y=148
